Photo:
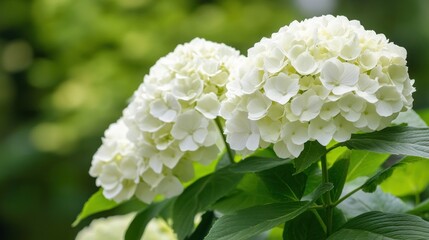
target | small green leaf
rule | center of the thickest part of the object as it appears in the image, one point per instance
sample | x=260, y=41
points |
x=199, y=197
x=312, y=152
x=378, y=225
x=251, y=221
x=364, y=163
x=138, y=225
x=338, y=174
x=95, y=204
x=421, y=208
x=283, y=184
x=371, y=184
x=401, y=140
x=257, y=164
x=408, y=179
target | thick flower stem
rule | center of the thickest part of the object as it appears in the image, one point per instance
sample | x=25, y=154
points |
x=327, y=197
x=228, y=149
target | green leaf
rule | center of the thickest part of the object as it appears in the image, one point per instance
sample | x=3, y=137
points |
x=364, y=163
x=421, y=208
x=362, y=202
x=338, y=174
x=411, y=118
x=203, y=227
x=95, y=204
x=304, y=227
x=312, y=152
x=371, y=184
x=200, y=196
x=408, y=179
x=283, y=184
x=401, y=140
x=251, y=221
x=251, y=191
x=138, y=225
x=257, y=164
x=378, y=225
x=307, y=227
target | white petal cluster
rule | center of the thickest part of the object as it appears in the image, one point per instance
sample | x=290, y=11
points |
x=114, y=228
x=320, y=79
x=168, y=125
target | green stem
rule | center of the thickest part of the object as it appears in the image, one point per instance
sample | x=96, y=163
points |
x=314, y=211
x=228, y=149
x=417, y=198
x=327, y=197
x=347, y=196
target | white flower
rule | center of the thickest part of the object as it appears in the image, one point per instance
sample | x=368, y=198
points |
x=208, y=105
x=168, y=121
x=191, y=129
x=281, y=88
x=242, y=133
x=258, y=106
x=321, y=79
x=321, y=130
x=114, y=228
x=306, y=106
x=339, y=77
x=165, y=109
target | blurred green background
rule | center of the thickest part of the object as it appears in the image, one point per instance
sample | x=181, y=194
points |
x=67, y=68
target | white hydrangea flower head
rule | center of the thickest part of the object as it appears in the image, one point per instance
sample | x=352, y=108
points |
x=320, y=79
x=114, y=228
x=123, y=170
x=168, y=125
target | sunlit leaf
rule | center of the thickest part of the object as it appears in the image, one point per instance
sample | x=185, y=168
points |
x=95, y=204
x=408, y=179
x=364, y=163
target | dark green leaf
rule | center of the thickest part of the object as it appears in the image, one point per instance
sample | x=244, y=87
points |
x=378, y=225
x=304, y=227
x=203, y=227
x=312, y=152
x=314, y=178
x=199, y=197
x=364, y=163
x=307, y=226
x=338, y=174
x=283, y=184
x=257, y=164
x=252, y=221
x=138, y=225
x=401, y=140
x=95, y=204
x=251, y=191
